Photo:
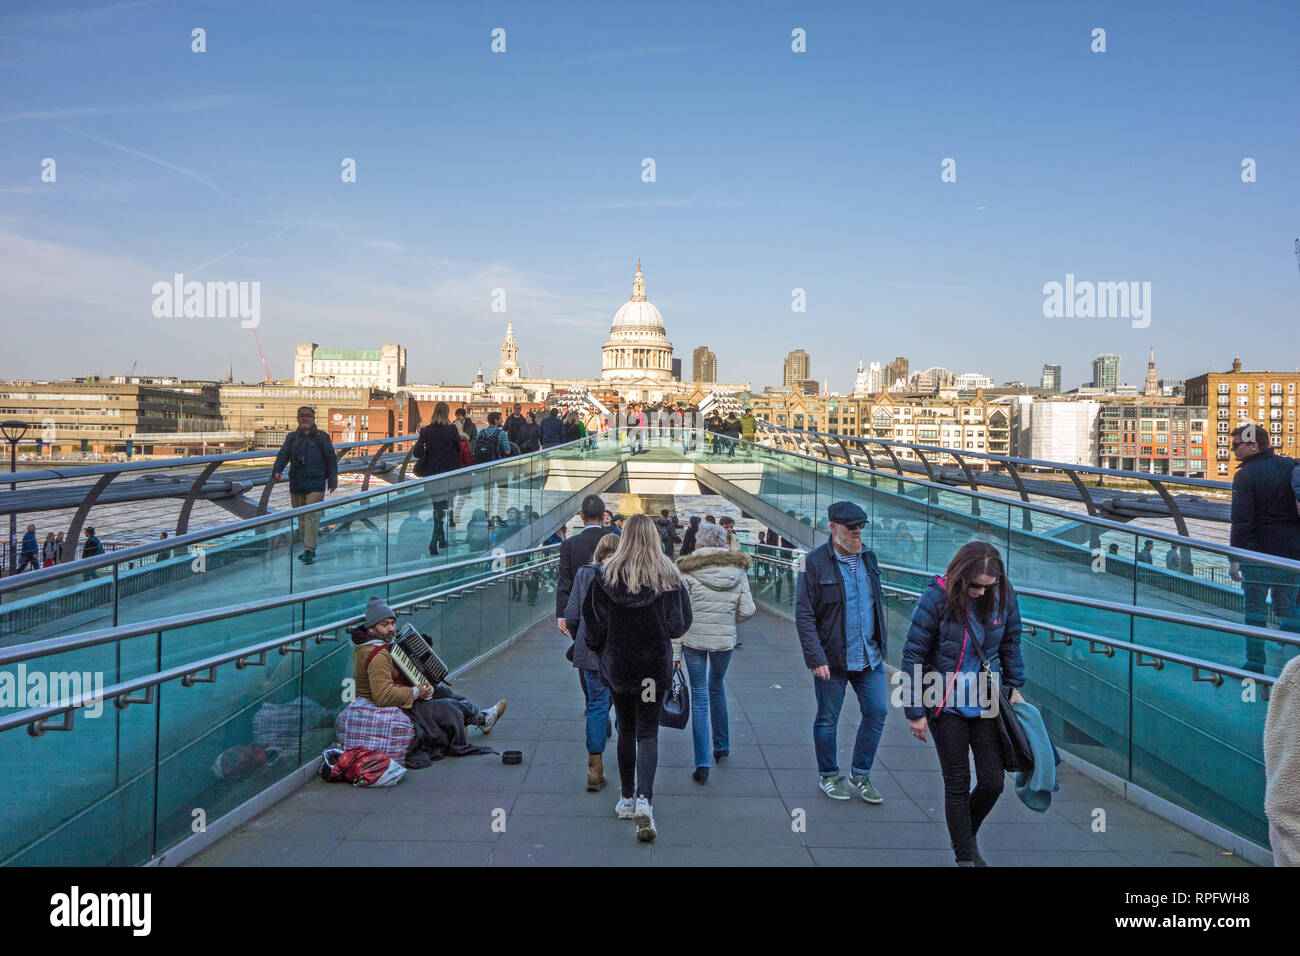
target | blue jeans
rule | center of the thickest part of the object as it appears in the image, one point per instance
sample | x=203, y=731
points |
x=708, y=701
x=1259, y=579
x=873, y=702
x=597, y=711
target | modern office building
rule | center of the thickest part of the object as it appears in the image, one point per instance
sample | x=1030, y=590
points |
x=798, y=367
x=1105, y=372
x=704, y=365
x=1051, y=379
x=100, y=415
x=896, y=374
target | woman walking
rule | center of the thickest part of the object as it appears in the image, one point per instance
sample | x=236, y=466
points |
x=437, y=450
x=718, y=584
x=688, y=539
x=528, y=440
x=49, y=551
x=635, y=608
x=967, y=621
x=588, y=664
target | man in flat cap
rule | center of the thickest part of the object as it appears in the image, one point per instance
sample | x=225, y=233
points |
x=840, y=618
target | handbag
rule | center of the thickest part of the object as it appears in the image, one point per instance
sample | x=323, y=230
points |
x=466, y=455
x=676, y=711
x=1017, y=754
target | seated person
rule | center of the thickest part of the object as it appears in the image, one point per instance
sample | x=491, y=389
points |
x=379, y=717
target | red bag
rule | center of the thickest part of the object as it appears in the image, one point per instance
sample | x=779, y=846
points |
x=466, y=456
x=361, y=767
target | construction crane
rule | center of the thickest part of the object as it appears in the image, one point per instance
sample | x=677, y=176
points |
x=262, y=355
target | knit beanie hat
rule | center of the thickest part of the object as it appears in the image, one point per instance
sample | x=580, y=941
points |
x=376, y=611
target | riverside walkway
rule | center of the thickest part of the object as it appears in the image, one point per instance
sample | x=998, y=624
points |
x=743, y=816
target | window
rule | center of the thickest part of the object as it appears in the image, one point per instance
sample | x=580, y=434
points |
x=1242, y=388
x=1242, y=400
x=1223, y=428
x=1261, y=388
x=1275, y=388
x=1223, y=388
x=1223, y=468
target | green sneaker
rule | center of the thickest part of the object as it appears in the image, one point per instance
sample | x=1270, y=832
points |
x=836, y=788
x=867, y=789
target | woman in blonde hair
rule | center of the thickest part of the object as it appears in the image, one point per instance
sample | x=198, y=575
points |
x=636, y=607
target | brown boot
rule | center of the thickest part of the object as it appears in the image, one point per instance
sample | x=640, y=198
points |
x=595, y=772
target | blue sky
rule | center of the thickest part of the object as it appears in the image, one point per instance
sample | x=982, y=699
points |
x=774, y=171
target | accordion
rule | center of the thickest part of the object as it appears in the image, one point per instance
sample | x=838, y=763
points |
x=416, y=659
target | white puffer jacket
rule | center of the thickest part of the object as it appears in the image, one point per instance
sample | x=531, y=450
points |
x=1282, y=766
x=720, y=598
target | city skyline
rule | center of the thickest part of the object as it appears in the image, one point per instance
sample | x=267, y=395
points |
x=734, y=226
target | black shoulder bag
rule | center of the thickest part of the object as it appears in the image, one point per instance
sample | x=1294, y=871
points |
x=1017, y=754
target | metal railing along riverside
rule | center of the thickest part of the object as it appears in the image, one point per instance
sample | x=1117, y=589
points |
x=1020, y=471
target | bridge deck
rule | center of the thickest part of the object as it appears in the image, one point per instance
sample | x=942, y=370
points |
x=443, y=815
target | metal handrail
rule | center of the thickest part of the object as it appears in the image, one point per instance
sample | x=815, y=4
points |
x=36, y=718
x=164, y=464
x=1236, y=554
x=1225, y=486
x=247, y=524
x=1154, y=614
x=1132, y=610
x=109, y=635
x=1142, y=650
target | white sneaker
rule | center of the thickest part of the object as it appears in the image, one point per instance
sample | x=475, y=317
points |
x=625, y=808
x=645, y=820
x=488, y=718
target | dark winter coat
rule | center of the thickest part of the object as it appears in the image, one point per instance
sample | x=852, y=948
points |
x=583, y=656
x=528, y=439
x=633, y=634
x=550, y=431
x=575, y=551
x=819, y=608
x=513, y=424
x=437, y=449
x=1264, y=516
x=312, y=460
x=934, y=641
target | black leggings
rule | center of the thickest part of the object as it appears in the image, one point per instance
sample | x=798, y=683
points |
x=954, y=738
x=638, y=755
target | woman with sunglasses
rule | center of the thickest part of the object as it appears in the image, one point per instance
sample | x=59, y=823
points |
x=966, y=624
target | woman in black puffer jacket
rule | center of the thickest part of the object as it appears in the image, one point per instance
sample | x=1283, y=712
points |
x=972, y=603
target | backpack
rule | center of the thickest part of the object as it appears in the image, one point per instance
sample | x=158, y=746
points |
x=361, y=767
x=487, y=446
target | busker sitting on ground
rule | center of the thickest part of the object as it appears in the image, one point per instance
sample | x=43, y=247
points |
x=413, y=725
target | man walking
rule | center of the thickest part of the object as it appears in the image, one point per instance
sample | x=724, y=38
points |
x=514, y=423
x=574, y=553
x=748, y=429
x=1264, y=519
x=551, y=430
x=31, y=553
x=840, y=618
x=314, y=467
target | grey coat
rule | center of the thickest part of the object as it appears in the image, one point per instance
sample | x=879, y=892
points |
x=583, y=656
